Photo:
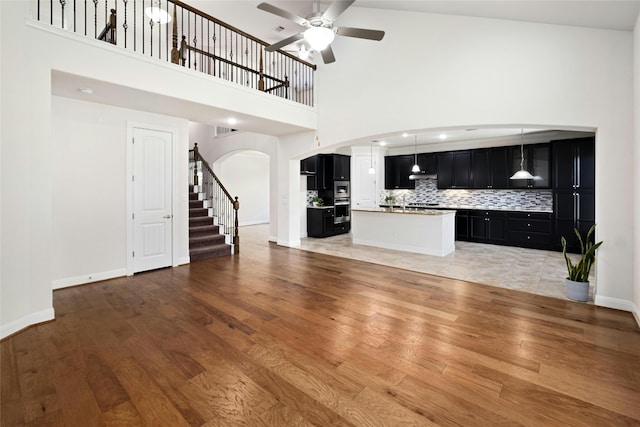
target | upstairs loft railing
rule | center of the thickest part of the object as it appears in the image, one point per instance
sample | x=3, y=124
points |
x=190, y=38
x=225, y=208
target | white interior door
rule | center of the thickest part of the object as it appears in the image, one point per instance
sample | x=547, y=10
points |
x=364, y=184
x=152, y=199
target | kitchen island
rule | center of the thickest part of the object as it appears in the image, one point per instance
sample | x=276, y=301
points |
x=424, y=231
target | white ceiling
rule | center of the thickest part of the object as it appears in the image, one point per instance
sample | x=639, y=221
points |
x=244, y=14
x=606, y=14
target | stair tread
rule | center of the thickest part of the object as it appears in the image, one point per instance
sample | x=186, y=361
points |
x=209, y=248
x=196, y=239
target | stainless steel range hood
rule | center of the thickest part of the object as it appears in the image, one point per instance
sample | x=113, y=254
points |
x=423, y=175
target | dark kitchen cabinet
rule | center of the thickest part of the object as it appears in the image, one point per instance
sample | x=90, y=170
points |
x=341, y=165
x=428, y=163
x=328, y=168
x=454, y=169
x=529, y=229
x=537, y=160
x=573, y=189
x=489, y=168
x=320, y=222
x=309, y=165
x=487, y=226
x=397, y=170
x=462, y=225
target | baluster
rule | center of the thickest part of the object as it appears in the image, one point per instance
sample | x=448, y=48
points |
x=62, y=4
x=95, y=18
x=150, y=37
x=124, y=24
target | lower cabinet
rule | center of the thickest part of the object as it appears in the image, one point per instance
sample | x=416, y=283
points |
x=462, y=225
x=530, y=230
x=487, y=226
x=521, y=229
x=320, y=223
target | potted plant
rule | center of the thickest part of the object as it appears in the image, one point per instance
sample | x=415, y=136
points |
x=390, y=199
x=317, y=201
x=577, y=283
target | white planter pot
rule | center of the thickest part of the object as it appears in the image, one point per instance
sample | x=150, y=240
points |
x=577, y=291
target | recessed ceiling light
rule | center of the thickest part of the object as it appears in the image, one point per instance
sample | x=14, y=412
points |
x=86, y=90
x=443, y=136
x=232, y=121
x=404, y=135
x=383, y=143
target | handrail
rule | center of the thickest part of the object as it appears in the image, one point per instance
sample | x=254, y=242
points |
x=109, y=29
x=222, y=210
x=212, y=46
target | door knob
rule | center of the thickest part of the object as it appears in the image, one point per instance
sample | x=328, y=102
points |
x=167, y=216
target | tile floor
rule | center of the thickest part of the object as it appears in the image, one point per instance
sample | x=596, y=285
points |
x=529, y=270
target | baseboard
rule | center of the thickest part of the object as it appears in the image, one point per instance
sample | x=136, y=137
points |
x=258, y=222
x=26, y=321
x=183, y=261
x=636, y=314
x=616, y=303
x=289, y=243
x=88, y=278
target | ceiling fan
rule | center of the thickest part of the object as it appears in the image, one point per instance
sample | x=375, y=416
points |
x=320, y=30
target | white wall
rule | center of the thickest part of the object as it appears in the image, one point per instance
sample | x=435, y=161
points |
x=30, y=52
x=245, y=174
x=89, y=200
x=636, y=169
x=215, y=148
x=438, y=71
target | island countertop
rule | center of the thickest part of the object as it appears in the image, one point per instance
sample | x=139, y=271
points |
x=430, y=231
x=411, y=211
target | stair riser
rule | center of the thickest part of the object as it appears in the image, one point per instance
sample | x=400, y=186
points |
x=193, y=213
x=223, y=251
x=201, y=235
x=209, y=241
x=200, y=221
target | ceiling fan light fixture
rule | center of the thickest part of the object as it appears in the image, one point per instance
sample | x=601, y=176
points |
x=156, y=14
x=319, y=37
x=303, y=53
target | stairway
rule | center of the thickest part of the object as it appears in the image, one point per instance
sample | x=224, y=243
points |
x=205, y=240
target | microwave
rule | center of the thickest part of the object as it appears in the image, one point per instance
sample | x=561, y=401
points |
x=340, y=189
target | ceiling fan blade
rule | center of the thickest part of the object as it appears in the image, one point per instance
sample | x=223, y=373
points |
x=336, y=9
x=327, y=55
x=282, y=43
x=283, y=14
x=360, y=33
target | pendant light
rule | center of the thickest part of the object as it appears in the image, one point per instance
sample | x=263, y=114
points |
x=371, y=169
x=522, y=173
x=416, y=167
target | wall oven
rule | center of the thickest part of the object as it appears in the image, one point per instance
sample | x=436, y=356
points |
x=342, y=210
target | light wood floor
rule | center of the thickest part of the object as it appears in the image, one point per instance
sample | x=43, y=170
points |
x=283, y=337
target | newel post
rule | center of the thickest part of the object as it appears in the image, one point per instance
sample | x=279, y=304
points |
x=175, y=54
x=112, y=27
x=236, y=237
x=261, y=69
x=196, y=156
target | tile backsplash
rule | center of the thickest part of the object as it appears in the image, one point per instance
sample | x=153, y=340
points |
x=427, y=192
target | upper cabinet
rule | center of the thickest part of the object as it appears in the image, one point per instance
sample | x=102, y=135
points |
x=323, y=169
x=454, y=169
x=396, y=172
x=490, y=168
x=309, y=166
x=428, y=163
x=537, y=160
x=341, y=167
